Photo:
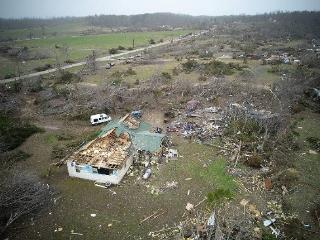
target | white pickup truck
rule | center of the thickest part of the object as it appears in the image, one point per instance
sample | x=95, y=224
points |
x=99, y=118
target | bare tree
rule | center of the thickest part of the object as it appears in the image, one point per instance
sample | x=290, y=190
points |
x=21, y=194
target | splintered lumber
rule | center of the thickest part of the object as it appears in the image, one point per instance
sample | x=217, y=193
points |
x=238, y=154
x=197, y=205
x=200, y=202
x=152, y=215
x=163, y=230
x=106, y=151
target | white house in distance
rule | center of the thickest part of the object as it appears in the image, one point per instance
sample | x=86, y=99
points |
x=107, y=158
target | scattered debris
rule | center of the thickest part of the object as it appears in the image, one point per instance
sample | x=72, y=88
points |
x=267, y=184
x=153, y=216
x=268, y=222
x=212, y=220
x=171, y=185
x=59, y=229
x=75, y=233
x=189, y=207
x=172, y=153
x=136, y=114
x=244, y=203
x=103, y=184
x=313, y=152
x=192, y=105
x=147, y=174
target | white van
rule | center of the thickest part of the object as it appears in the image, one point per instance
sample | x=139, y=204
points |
x=99, y=118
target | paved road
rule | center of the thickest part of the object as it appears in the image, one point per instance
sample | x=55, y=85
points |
x=102, y=59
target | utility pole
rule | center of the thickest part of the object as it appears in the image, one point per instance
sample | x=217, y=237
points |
x=133, y=43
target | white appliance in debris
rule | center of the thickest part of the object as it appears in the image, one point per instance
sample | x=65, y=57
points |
x=99, y=118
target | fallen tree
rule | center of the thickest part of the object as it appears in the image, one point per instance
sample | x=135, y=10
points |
x=21, y=194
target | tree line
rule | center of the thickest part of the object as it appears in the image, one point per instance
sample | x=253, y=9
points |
x=296, y=24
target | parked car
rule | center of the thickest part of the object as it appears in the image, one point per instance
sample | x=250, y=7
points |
x=99, y=118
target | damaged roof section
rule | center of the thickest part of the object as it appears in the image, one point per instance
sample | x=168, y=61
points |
x=130, y=122
x=107, y=151
x=139, y=132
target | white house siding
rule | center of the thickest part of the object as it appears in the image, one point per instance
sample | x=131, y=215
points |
x=87, y=173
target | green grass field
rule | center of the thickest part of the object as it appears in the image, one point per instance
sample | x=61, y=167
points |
x=79, y=47
x=103, y=41
x=37, y=32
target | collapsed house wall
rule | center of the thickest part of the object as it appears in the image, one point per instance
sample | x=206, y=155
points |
x=88, y=172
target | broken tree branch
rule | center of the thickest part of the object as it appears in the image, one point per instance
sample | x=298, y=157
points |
x=152, y=215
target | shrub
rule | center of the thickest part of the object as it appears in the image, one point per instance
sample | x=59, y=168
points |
x=288, y=177
x=314, y=143
x=130, y=48
x=297, y=108
x=121, y=48
x=58, y=152
x=43, y=68
x=315, y=212
x=68, y=77
x=254, y=161
x=130, y=71
x=268, y=236
x=8, y=159
x=293, y=230
x=157, y=93
x=14, y=132
x=151, y=41
x=13, y=87
x=166, y=75
x=194, y=52
x=35, y=85
x=190, y=66
x=9, y=75
x=205, y=54
x=203, y=78
x=218, y=68
x=69, y=61
x=113, y=51
x=175, y=71
x=245, y=130
x=219, y=195
x=246, y=74
x=117, y=78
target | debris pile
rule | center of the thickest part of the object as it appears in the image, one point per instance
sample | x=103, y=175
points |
x=130, y=122
x=203, y=124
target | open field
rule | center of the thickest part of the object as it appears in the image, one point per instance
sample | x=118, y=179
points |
x=77, y=48
x=103, y=41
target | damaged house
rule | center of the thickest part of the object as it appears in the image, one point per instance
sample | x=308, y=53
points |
x=107, y=158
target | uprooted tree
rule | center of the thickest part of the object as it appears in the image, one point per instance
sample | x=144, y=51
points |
x=21, y=194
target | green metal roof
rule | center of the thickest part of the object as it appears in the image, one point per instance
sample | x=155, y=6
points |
x=141, y=137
